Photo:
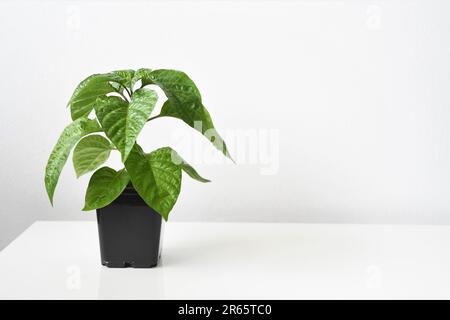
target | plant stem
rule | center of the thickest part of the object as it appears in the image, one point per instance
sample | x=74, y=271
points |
x=155, y=117
x=128, y=91
x=122, y=95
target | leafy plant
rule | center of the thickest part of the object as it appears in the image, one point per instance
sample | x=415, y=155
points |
x=123, y=103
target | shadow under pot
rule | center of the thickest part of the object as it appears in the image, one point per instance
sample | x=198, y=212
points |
x=130, y=232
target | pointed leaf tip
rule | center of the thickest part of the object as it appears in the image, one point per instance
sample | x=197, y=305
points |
x=58, y=157
x=155, y=177
x=105, y=186
x=185, y=103
x=113, y=113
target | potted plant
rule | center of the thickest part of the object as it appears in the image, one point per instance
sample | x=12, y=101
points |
x=131, y=202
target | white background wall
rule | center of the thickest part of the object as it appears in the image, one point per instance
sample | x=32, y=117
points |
x=336, y=111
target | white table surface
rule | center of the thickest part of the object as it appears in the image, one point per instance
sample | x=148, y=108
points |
x=61, y=260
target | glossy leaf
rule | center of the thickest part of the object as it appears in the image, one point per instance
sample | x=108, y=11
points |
x=123, y=122
x=67, y=140
x=185, y=103
x=105, y=186
x=112, y=114
x=142, y=74
x=117, y=87
x=155, y=177
x=90, y=153
x=86, y=93
x=141, y=106
x=126, y=77
x=186, y=167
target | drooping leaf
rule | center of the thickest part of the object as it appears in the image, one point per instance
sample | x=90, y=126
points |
x=186, y=167
x=83, y=99
x=168, y=110
x=90, y=153
x=155, y=177
x=123, y=122
x=105, y=186
x=69, y=137
x=185, y=103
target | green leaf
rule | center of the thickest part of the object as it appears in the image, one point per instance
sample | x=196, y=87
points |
x=155, y=177
x=69, y=137
x=104, y=187
x=142, y=74
x=117, y=87
x=126, y=77
x=122, y=122
x=83, y=99
x=186, y=167
x=90, y=153
x=141, y=106
x=185, y=103
x=112, y=113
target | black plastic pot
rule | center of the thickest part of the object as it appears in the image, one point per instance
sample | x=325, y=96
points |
x=130, y=232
